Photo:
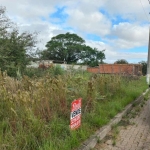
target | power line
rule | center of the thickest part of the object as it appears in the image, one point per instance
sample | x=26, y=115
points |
x=145, y=11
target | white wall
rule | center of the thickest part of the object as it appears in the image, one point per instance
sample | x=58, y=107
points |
x=64, y=66
x=69, y=67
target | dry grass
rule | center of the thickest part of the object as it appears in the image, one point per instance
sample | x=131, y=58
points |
x=34, y=111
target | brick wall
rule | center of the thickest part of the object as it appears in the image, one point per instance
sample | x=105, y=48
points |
x=133, y=69
x=93, y=69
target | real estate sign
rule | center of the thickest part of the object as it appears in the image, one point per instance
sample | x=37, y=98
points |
x=75, y=116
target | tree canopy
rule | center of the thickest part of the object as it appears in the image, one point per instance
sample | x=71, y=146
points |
x=144, y=67
x=14, y=47
x=121, y=61
x=92, y=57
x=71, y=48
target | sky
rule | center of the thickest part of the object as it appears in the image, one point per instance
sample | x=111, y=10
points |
x=120, y=27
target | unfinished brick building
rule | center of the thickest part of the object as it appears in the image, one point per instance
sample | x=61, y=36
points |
x=132, y=69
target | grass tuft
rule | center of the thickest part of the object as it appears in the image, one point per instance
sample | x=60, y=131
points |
x=35, y=112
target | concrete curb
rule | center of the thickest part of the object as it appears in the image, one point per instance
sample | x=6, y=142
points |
x=101, y=133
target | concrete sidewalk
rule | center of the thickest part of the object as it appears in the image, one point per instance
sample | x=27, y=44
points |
x=135, y=136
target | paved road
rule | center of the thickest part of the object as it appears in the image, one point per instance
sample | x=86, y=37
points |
x=135, y=136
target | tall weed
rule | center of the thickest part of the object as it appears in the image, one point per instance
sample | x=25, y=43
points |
x=35, y=112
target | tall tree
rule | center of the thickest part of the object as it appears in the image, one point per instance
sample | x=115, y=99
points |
x=64, y=47
x=71, y=48
x=92, y=57
x=14, y=46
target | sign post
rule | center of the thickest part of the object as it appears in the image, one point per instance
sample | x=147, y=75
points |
x=148, y=62
x=75, y=116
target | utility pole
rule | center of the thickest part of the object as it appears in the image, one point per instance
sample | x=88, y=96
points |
x=148, y=62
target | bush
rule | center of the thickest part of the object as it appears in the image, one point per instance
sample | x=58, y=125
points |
x=34, y=72
x=56, y=70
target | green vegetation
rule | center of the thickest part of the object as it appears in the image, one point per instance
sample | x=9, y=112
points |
x=15, y=47
x=35, y=112
x=115, y=133
x=121, y=61
x=71, y=48
x=144, y=67
x=35, y=105
x=40, y=72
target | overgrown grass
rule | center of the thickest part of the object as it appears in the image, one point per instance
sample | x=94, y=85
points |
x=35, y=112
x=41, y=72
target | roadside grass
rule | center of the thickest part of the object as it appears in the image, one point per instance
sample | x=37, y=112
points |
x=35, y=112
x=126, y=121
x=115, y=132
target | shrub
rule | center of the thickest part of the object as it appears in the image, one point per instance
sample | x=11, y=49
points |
x=56, y=70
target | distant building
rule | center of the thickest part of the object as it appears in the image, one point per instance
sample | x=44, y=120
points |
x=50, y=63
x=132, y=69
x=33, y=64
x=42, y=63
x=74, y=67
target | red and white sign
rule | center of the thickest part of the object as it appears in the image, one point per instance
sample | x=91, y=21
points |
x=75, y=116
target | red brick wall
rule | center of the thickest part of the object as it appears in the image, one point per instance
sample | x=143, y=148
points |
x=93, y=69
x=116, y=68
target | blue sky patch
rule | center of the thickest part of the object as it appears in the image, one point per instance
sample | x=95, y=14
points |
x=118, y=19
x=93, y=37
x=59, y=16
x=68, y=28
x=111, y=37
x=135, y=61
x=144, y=23
x=43, y=18
x=104, y=12
x=141, y=49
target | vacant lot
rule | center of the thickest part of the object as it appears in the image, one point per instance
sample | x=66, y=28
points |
x=35, y=112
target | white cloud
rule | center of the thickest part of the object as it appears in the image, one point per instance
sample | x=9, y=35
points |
x=94, y=23
x=112, y=54
x=99, y=45
x=45, y=32
x=85, y=18
x=132, y=9
x=129, y=36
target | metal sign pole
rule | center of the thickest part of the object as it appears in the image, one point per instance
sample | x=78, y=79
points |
x=148, y=62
